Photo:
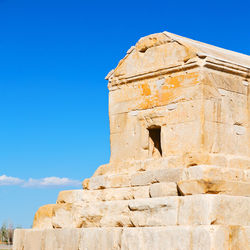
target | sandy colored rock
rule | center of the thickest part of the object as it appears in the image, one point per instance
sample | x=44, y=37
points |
x=162, y=238
x=213, y=186
x=214, y=210
x=152, y=212
x=178, y=176
x=161, y=175
x=78, y=196
x=163, y=189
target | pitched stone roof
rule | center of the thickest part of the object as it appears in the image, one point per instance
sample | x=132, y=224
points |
x=167, y=51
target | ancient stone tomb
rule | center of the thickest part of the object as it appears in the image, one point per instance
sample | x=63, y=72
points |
x=179, y=171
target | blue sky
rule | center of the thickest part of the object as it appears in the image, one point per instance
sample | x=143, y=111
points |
x=54, y=56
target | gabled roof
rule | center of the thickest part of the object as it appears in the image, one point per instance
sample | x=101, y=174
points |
x=213, y=51
x=165, y=50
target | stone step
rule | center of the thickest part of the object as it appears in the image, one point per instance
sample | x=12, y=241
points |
x=213, y=186
x=166, y=175
x=173, y=210
x=161, y=238
x=129, y=193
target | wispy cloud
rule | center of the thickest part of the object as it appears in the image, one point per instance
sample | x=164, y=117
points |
x=10, y=181
x=44, y=182
x=51, y=181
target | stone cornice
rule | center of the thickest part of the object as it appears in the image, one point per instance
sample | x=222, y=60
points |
x=201, y=61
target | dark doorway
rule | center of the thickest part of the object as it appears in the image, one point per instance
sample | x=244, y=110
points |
x=155, y=141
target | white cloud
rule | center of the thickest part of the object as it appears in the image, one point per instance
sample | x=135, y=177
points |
x=10, y=181
x=51, y=182
x=44, y=182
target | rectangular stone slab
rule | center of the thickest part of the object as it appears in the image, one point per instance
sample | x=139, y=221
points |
x=172, y=210
x=128, y=193
x=213, y=186
x=143, y=178
x=148, y=238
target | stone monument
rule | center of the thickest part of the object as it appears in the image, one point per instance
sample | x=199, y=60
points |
x=179, y=171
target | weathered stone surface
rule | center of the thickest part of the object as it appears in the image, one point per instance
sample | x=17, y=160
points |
x=141, y=178
x=78, y=196
x=160, y=238
x=214, y=172
x=181, y=237
x=161, y=175
x=45, y=214
x=147, y=177
x=68, y=239
x=213, y=186
x=180, y=140
x=162, y=211
x=214, y=210
x=154, y=212
x=163, y=189
x=243, y=163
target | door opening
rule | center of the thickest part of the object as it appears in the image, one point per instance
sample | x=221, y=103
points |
x=155, y=149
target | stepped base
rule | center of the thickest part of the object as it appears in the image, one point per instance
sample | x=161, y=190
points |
x=207, y=209
x=147, y=238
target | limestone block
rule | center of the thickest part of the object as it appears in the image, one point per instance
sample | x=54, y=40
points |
x=163, y=189
x=104, y=181
x=85, y=183
x=213, y=186
x=185, y=238
x=103, y=214
x=97, y=182
x=214, y=172
x=130, y=149
x=117, y=181
x=54, y=216
x=230, y=108
x=126, y=193
x=217, y=139
x=65, y=216
x=160, y=175
x=186, y=111
x=218, y=160
x=247, y=176
x=100, y=239
x=76, y=196
x=214, y=210
x=172, y=113
x=239, y=162
x=226, y=82
x=177, y=139
x=211, y=237
x=141, y=178
x=151, y=41
x=161, y=238
x=123, y=122
x=19, y=239
x=63, y=239
x=171, y=162
x=137, y=166
x=141, y=192
x=146, y=58
x=102, y=170
x=67, y=239
x=240, y=237
x=161, y=163
x=45, y=214
x=154, y=212
x=28, y=239
x=155, y=92
x=170, y=210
